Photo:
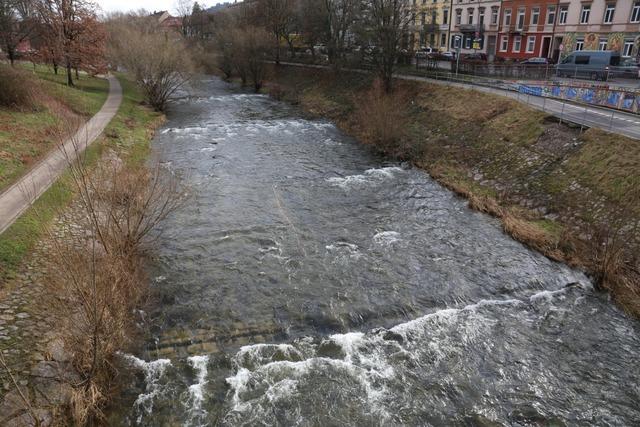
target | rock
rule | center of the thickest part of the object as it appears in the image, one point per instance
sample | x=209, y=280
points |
x=23, y=315
x=7, y=317
x=24, y=420
x=45, y=369
x=57, y=351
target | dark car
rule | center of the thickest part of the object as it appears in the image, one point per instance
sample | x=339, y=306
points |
x=474, y=57
x=628, y=68
x=535, y=61
x=445, y=56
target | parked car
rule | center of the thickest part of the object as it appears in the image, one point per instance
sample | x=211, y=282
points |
x=628, y=68
x=535, y=61
x=425, y=52
x=474, y=57
x=593, y=64
x=445, y=56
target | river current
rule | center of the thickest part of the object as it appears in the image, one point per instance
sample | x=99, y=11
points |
x=310, y=282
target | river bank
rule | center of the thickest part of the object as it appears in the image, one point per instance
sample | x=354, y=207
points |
x=43, y=362
x=571, y=195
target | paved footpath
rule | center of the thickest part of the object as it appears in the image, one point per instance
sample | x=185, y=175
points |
x=16, y=199
x=621, y=123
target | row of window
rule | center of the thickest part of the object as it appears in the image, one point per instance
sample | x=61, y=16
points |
x=562, y=12
x=585, y=14
x=481, y=14
x=432, y=39
x=531, y=45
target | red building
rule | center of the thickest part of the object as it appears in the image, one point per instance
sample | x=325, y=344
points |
x=526, y=29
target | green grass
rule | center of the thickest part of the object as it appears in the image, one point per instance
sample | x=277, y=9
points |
x=27, y=136
x=129, y=134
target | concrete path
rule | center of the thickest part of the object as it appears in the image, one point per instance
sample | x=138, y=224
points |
x=15, y=200
x=621, y=123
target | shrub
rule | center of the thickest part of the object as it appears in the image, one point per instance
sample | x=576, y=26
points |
x=382, y=119
x=16, y=89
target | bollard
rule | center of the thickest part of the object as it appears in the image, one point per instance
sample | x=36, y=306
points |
x=611, y=121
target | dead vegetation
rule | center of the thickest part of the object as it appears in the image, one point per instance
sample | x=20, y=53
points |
x=95, y=275
x=17, y=89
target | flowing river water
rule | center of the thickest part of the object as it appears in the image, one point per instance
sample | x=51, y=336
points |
x=310, y=282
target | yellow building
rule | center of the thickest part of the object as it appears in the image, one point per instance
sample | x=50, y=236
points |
x=430, y=24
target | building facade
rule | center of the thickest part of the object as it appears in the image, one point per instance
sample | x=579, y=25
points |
x=430, y=24
x=599, y=25
x=527, y=29
x=474, y=26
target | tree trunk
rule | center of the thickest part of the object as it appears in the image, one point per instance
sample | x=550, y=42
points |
x=69, y=74
x=77, y=74
x=12, y=56
x=55, y=67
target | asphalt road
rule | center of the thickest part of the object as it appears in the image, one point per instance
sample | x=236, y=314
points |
x=15, y=200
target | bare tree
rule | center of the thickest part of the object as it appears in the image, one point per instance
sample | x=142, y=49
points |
x=69, y=25
x=17, y=24
x=160, y=63
x=340, y=16
x=278, y=17
x=312, y=24
x=386, y=22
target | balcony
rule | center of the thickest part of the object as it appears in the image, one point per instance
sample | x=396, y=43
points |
x=471, y=28
x=513, y=29
x=431, y=28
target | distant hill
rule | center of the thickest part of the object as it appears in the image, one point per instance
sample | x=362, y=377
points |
x=219, y=7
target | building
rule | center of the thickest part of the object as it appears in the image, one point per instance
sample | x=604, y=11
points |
x=599, y=25
x=167, y=21
x=527, y=29
x=430, y=24
x=475, y=25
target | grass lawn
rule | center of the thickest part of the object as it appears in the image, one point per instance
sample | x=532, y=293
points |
x=26, y=136
x=129, y=134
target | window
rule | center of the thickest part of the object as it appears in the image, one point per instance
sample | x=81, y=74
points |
x=445, y=16
x=562, y=18
x=551, y=15
x=504, y=43
x=602, y=45
x=579, y=44
x=535, y=15
x=470, y=16
x=517, y=40
x=455, y=42
x=458, y=16
x=481, y=16
x=531, y=44
x=609, y=10
x=423, y=18
x=635, y=12
x=507, y=17
x=520, y=22
x=432, y=40
x=434, y=17
x=582, y=59
x=494, y=16
x=422, y=40
x=584, y=13
x=443, y=39
x=627, y=48
x=467, y=42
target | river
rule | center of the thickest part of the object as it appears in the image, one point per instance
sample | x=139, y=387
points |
x=311, y=282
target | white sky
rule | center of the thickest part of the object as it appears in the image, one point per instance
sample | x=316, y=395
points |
x=150, y=5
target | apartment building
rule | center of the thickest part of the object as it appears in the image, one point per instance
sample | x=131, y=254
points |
x=599, y=25
x=474, y=26
x=430, y=23
x=527, y=29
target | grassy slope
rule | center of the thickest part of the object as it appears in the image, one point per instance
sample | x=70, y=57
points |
x=25, y=137
x=129, y=133
x=548, y=182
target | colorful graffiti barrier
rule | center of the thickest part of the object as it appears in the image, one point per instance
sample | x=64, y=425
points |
x=618, y=98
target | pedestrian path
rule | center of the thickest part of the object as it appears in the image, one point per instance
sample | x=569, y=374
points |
x=15, y=200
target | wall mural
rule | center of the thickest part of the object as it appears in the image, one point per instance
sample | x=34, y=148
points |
x=568, y=44
x=591, y=41
x=618, y=98
x=615, y=41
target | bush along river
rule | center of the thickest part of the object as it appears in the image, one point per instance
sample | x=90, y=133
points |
x=310, y=282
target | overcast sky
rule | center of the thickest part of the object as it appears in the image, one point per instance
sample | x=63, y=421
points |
x=151, y=5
